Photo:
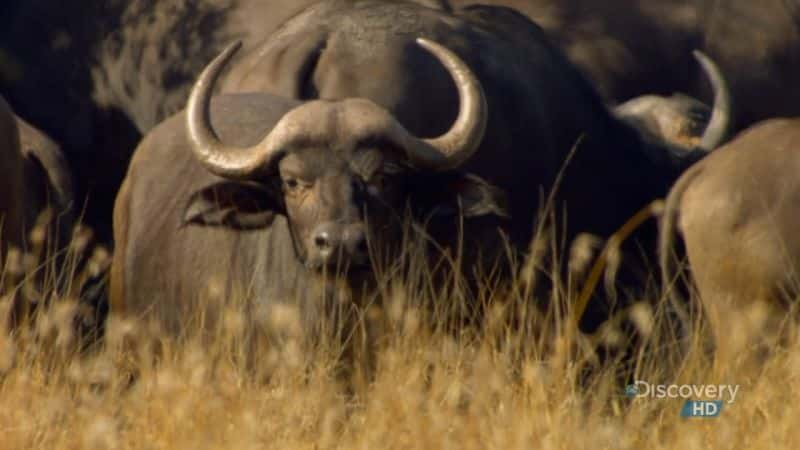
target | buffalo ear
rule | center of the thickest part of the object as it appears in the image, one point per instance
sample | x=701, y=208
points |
x=469, y=195
x=237, y=205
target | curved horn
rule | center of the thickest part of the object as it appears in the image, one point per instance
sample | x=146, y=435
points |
x=459, y=143
x=719, y=125
x=219, y=159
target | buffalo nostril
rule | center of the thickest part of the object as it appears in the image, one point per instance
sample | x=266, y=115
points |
x=361, y=246
x=322, y=240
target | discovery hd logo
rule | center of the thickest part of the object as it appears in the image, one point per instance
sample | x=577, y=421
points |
x=703, y=400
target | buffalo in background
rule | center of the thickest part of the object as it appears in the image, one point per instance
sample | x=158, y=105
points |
x=735, y=215
x=629, y=48
x=336, y=62
x=97, y=75
x=34, y=177
x=37, y=214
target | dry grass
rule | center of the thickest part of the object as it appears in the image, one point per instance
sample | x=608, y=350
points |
x=423, y=382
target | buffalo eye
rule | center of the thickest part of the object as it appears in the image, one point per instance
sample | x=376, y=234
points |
x=380, y=180
x=294, y=185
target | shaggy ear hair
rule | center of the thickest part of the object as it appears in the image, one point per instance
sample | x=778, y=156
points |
x=462, y=193
x=237, y=205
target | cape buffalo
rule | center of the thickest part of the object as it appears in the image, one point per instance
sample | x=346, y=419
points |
x=301, y=184
x=346, y=170
x=631, y=48
x=736, y=214
x=34, y=176
x=679, y=119
x=110, y=70
x=36, y=209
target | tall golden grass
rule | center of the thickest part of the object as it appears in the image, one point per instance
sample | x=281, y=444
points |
x=401, y=375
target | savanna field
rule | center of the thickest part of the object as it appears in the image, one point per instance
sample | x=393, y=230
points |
x=399, y=224
x=405, y=375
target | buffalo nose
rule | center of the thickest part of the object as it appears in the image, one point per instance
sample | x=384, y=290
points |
x=322, y=240
x=332, y=242
x=356, y=242
x=361, y=245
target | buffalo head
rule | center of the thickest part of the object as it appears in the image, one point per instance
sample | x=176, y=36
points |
x=682, y=122
x=341, y=171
